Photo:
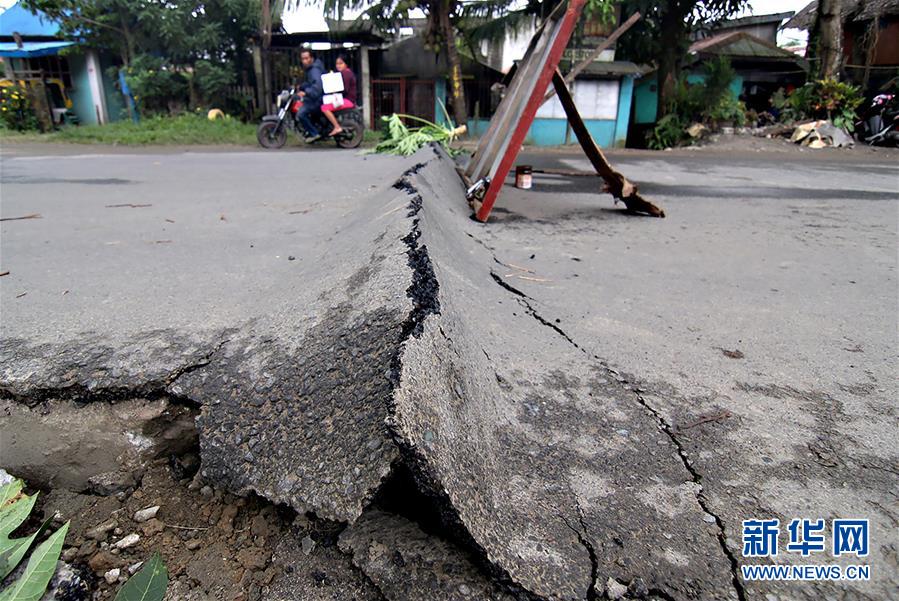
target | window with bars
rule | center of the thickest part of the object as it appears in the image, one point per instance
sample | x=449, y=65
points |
x=51, y=67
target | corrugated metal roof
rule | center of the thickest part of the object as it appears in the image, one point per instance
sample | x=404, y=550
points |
x=740, y=44
x=856, y=10
x=20, y=20
x=32, y=49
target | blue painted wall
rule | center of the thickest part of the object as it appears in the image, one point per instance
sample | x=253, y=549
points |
x=115, y=103
x=439, y=97
x=551, y=132
x=646, y=95
x=80, y=93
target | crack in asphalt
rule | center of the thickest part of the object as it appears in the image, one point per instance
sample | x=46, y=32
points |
x=151, y=390
x=696, y=478
x=523, y=301
x=203, y=362
x=664, y=426
x=424, y=294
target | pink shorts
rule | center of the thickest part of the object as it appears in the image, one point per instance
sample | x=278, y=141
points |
x=347, y=104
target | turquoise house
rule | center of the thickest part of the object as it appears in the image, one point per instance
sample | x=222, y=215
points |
x=761, y=68
x=603, y=94
x=32, y=49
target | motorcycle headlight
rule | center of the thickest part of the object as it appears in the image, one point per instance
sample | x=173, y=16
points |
x=282, y=98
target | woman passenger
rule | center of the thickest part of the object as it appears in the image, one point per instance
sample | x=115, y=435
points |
x=349, y=94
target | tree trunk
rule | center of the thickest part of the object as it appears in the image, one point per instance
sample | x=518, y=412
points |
x=460, y=114
x=260, y=80
x=265, y=82
x=128, y=54
x=830, y=46
x=673, y=34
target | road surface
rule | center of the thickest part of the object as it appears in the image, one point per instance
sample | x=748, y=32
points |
x=756, y=324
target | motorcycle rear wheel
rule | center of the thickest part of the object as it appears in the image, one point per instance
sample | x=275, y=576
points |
x=270, y=135
x=354, y=133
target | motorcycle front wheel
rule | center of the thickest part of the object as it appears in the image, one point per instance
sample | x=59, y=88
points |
x=270, y=135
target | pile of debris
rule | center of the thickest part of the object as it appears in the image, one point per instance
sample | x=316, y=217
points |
x=813, y=134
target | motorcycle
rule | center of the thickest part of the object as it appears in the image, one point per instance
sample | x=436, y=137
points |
x=272, y=132
x=880, y=122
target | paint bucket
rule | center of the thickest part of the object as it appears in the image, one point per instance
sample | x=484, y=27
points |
x=523, y=178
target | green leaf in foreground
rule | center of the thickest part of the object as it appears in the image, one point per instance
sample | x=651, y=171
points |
x=13, y=550
x=405, y=141
x=9, y=491
x=147, y=585
x=13, y=514
x=40, y=568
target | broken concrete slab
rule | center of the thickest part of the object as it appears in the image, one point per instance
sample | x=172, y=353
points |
x=299, y=415
x=322, y=575
x=559, y=474
x=408, y=564
x=403, y=342
x=294, y=397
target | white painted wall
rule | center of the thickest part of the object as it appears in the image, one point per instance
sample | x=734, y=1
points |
x=594, y=98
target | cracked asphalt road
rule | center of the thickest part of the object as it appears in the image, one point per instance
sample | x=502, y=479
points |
x=758, y=321
x=756, y=324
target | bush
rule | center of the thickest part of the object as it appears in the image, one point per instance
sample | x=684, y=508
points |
x=820, y=99
x=727, y=110
x=668, y=132
x=186, y=128
x=212, y=81
x=156, y=86
x=711, y=102
x=16, y=111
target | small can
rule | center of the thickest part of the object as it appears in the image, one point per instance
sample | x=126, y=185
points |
x=523, y=177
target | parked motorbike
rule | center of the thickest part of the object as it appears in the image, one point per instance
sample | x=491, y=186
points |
x=272, y=132
x=880, y=122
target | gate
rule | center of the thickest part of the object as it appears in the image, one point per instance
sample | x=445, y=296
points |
x=401, y=95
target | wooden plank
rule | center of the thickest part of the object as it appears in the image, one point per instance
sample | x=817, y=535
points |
x=559, y=40
x=505, y=112
x=530, y=74
x=616, y=184
x=492, y=144
x=595, y=54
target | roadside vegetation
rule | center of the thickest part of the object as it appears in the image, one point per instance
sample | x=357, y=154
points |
x=184, y=129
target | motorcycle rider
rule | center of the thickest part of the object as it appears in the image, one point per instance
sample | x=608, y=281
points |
x=311, y=91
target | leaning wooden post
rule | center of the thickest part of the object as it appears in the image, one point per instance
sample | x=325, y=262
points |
x=617, y=185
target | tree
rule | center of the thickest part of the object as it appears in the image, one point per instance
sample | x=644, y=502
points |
x=662, y=36
x=168, y=47
x=117, y=25
x=444, y=18
x=829, y=28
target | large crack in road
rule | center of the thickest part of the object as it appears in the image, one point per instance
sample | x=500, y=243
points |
x=548, y=480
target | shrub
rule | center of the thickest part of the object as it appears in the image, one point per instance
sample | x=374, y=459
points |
x=668, y=132
x=16, y=111
x=820, y=99
x=156, y=86
x=709, y=102
x=212, y=81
